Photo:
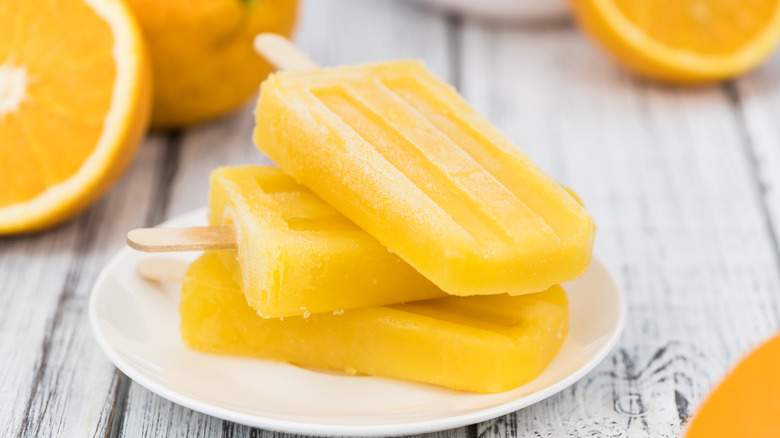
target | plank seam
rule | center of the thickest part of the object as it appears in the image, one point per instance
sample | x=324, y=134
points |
x=564, y=23
x=759, y=187
x=164, y=176
x=85, y=241
x=116, y=419
x=454, y=30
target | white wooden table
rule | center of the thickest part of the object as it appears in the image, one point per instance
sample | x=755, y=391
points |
x=683, y=184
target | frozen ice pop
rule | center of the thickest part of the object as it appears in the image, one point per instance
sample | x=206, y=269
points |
x=403, y=156
x=297, y=255
x=482, y=344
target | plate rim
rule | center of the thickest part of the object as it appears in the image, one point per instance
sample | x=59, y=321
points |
x=324, y=429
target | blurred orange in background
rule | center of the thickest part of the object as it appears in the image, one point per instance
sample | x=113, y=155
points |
x=683, y=41
x=202, y=56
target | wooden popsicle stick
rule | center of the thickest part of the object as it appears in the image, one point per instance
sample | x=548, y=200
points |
x=161, y=269
x=182, y=239
x=282, y=53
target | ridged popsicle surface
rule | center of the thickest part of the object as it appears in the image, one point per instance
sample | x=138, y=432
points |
x=404, y=157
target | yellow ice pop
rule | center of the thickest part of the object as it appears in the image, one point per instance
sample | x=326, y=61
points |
x=481, y=344
x=297, y=255
x=403, y=156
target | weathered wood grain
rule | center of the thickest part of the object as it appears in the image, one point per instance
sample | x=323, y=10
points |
x=669, y=179
x=757, y=98
x=26, y=293
x=55, y=380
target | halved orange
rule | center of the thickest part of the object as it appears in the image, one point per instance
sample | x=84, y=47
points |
x=747, y=402
x=683, y=41
x=74, y=104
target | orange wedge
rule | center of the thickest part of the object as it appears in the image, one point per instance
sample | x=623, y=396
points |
x=683, y=41
x=74, y=104
x=747, y=402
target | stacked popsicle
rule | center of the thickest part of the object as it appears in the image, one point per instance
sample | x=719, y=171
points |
x=398, y=192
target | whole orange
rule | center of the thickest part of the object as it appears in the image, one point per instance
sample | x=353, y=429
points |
x=202, y=57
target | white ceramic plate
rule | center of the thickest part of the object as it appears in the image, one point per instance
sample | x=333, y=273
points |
x=136, y=324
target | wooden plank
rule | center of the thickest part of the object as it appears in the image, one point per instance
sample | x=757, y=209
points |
x=757, y=98
x=332, y=32
x=666, y=175
x=336, y=32
x=55, y=379
x=26, y=307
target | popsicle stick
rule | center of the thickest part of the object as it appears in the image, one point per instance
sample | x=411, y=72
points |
x=161, y=269
x=182, y=239
x=282, y=53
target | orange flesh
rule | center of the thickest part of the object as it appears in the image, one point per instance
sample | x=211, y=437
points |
x=57, y=124
x=747, y=402
x=707, y=27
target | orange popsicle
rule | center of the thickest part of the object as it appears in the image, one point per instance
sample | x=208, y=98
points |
x=482, y=344
x=404, y=157
x=297, y=255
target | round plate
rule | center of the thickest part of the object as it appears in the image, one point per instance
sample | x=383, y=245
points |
x=136, y=324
